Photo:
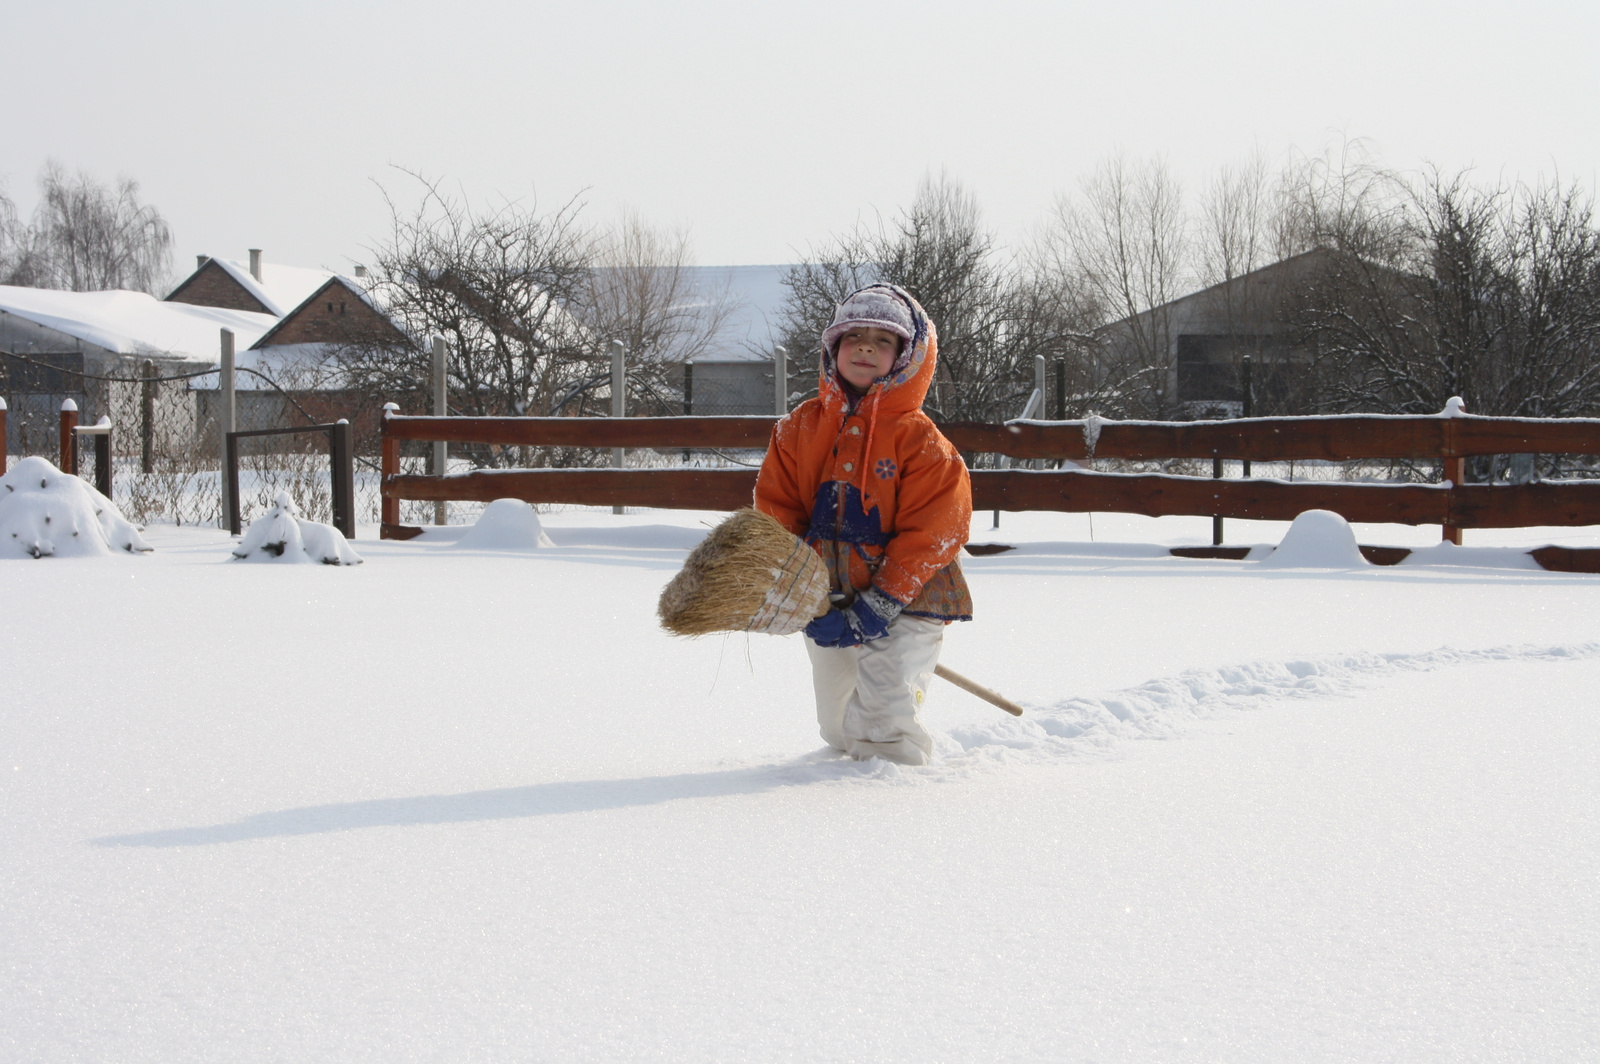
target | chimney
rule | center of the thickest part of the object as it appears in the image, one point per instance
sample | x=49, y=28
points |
x=255, y=263
x=201, y=260
x=361, y=271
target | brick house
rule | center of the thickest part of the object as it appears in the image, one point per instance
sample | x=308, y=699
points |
x=257, y=286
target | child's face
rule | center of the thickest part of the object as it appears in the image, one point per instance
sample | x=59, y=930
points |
x=866, y=353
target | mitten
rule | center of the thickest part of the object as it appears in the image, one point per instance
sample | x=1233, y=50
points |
x=865, y=619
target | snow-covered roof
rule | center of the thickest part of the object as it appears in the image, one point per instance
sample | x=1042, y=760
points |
x=370, y=296
x=752, y=328
x=313, y=367
x=134, y=323
x=281, y=288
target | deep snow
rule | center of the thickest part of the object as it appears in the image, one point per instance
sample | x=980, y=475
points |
x=474, y=805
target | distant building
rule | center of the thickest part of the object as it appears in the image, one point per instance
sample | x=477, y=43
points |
x=735, y=375
x=54, y=346
x=1195, y=345
x=257, y=286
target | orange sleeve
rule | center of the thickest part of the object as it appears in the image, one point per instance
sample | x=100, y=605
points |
x=778, y=483
x=932, y=519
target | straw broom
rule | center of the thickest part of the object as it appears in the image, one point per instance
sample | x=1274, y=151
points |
x=753, y=575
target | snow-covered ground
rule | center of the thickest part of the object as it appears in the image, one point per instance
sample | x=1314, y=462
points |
x=458, y=804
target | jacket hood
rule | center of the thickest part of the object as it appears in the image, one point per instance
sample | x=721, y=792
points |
x=906, y=384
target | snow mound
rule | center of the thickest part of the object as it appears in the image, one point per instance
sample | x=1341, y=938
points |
x=279, y=535
x=506, y=524
x=47, y=513
x=1318, y=539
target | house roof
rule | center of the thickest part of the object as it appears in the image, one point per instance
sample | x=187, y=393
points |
x=333, y=280
x=752, y=327
x=1293, y=267
x=134, y=323
x=313, y=367
x=281, y=288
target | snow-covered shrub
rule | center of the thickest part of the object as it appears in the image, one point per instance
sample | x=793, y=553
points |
x=47, y=513
x=279, y=535
x=1318, y=539
x=506, y=524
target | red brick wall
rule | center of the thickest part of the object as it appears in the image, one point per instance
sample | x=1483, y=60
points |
x=212, y=286
x=334, y=315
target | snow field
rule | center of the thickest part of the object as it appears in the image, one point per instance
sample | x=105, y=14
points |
x=472, y=804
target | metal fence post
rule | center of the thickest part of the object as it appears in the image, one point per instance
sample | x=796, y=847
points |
x=147, y=417
x=441, y=408
x=688, y=389
x=343, y=478
x=619, y=401
x=780, y=379
x=69, y=437
x=1060, y=408
x=2, y=435
x=1216, y=519
x=225, y=425
x=1248, y=397
x=102, y=459
x=230, y=484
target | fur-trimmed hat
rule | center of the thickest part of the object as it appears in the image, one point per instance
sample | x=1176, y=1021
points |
x=878, y=305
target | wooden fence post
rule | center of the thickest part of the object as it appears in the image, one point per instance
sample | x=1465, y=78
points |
x=441, y=408
x=1452, y=467
x=69, y=437
x=619, y=402
x=389, y=467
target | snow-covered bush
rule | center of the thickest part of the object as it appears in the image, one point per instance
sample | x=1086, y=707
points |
x=47, y=513
x=1318, y=539
x=280, y=535
x=506, y=524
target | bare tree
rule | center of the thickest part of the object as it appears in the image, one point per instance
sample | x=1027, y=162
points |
x=12, y=240
x=1124, y=242
x=86, y=236
x=499, y=284
x=1236, y=223
x=1489, y=293
x=644, y=291
x=992, y=318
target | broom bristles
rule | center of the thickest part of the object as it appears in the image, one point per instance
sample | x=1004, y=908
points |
x=749, y=575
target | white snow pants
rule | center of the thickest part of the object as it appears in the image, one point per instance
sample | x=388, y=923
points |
x=868, y=696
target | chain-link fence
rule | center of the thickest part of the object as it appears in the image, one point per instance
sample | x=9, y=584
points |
x=166, y=439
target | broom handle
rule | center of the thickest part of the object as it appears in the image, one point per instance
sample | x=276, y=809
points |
x=978, y=689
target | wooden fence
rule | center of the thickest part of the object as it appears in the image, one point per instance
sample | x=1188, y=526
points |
x=1448, y=439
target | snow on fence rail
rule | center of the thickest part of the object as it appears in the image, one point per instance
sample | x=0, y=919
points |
x=1450, y=439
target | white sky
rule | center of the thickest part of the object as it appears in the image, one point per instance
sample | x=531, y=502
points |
x=762, y=127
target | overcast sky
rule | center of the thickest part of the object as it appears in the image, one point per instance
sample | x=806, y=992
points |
x=762, y=127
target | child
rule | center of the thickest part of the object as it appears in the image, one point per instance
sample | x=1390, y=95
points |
x=865, y=477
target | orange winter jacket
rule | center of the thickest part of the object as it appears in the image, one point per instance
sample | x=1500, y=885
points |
x=873, y=485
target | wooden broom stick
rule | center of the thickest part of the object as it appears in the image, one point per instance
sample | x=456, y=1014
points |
x=978, y=689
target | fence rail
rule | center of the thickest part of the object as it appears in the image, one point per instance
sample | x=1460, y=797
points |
x=1448, y=439
x=1334, y=438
